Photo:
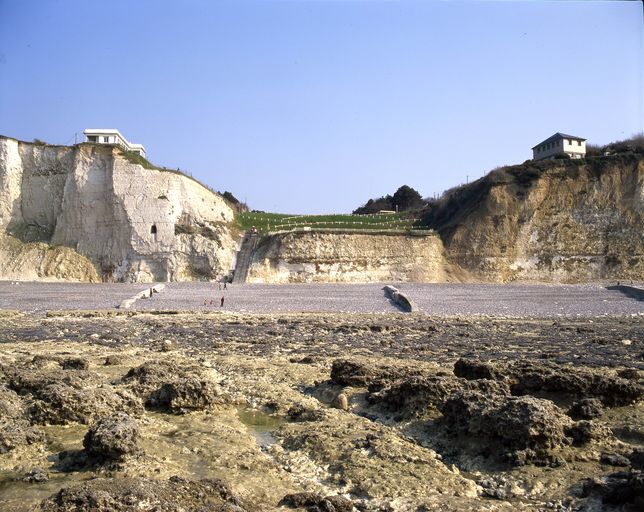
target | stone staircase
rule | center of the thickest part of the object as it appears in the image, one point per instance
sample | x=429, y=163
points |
x=244, y=257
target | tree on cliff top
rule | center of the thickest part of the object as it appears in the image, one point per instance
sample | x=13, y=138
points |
x=405, y=198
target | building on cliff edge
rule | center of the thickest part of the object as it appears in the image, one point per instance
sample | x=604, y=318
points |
x=112, y=136
x=560, y=144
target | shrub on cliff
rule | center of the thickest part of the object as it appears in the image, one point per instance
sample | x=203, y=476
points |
x=405, y=198
x=233, y=202
x=634, y=144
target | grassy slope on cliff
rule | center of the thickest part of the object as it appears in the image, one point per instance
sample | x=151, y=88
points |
x=265, y=222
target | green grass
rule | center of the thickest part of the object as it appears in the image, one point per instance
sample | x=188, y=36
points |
x=270, y=222
x=135, y=158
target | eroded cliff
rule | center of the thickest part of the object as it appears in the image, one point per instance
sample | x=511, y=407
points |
x=348, y=257
x=132, y=223
x=556, y=221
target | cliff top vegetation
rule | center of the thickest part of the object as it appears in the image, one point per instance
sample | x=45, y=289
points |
x=403, y=200
x=271, y=222
x=458, y=202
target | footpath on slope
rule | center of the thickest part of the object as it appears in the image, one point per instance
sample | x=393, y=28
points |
x=244, y=257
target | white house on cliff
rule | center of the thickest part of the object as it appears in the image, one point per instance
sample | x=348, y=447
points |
x=560, y=144
x=112, y=136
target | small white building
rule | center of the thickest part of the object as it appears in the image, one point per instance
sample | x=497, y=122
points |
x=560, y=144
x=112, y=136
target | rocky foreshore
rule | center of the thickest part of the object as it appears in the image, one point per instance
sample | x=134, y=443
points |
x=167, y=412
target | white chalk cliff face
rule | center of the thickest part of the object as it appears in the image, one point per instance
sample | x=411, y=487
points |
x=132, y=223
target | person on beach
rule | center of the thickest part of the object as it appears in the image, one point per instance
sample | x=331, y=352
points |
x=222, y=302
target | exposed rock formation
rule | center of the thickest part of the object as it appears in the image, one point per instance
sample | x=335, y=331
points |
x=113, y=438
x=560, y=221
x=145, y=495
x=526, y=377
x=173, y=388
x=522, y=425
x=132, y=223
x=347, y=257
x=92, y=212
x=15, y=429
x=40, y=261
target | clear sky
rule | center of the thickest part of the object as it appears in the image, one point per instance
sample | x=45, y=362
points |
x=316, y=106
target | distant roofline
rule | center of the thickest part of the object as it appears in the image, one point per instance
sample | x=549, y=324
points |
x=102, y=130
x=556, y=136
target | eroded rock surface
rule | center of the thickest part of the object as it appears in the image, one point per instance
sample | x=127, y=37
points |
x=523, y=427
x=413, y=436
x=173, y=387
x=54, y=395
x=414, y=395
x=146, y=495
x=316, y=503
x=113, y=438
x=62, y=404
x=15, y=429
x=527, y=377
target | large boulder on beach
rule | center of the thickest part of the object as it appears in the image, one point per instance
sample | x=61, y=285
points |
x=113, y=438
x=313, y=502
x=415, y=395
x=185, y=394
x=520, y=428
x=353, y=373
x=15, y=429
x=526, y=377
x=144, y=495
x=173, y=387
x=62, y=404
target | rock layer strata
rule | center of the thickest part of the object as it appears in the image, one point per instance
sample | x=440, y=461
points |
x=348, y=257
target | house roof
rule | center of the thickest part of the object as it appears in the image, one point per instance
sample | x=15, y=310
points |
x=112, y=131
x=558, y=136
x=102, y=130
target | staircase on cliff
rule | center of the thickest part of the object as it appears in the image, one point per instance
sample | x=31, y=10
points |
x=244, y=257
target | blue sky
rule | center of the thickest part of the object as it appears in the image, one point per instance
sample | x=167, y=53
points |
x=316, y=106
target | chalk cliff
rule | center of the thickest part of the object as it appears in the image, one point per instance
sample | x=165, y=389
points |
x=556, y=221
x=132, y=223
x=348, y=257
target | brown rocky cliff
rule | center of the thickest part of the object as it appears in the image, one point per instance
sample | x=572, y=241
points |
x=557, y=221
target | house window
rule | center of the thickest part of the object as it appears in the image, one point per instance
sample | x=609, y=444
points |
x=579, y=143
x=153, y=229
x=91, y=138
x=106, y=139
